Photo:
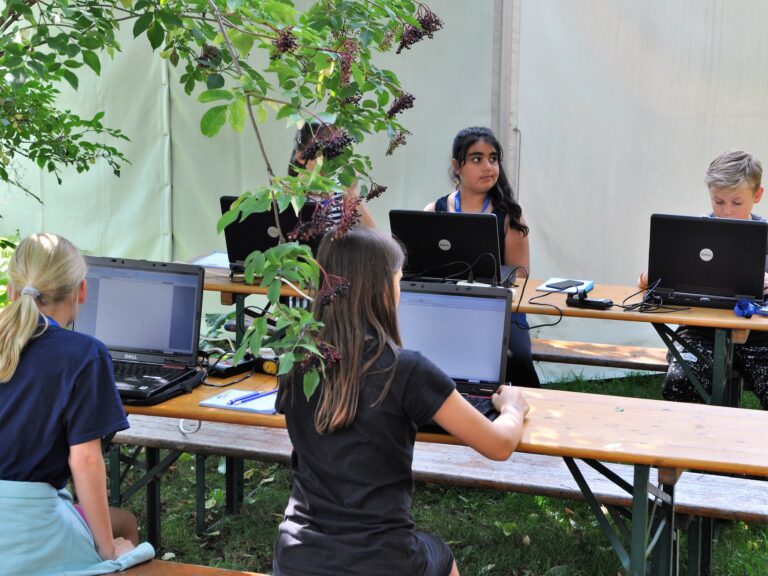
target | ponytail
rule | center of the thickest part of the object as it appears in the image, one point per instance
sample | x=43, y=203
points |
x=44, y=269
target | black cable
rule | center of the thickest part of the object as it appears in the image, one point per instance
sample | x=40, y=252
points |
x=651, y=303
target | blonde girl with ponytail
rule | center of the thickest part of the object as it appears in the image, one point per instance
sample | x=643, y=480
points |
x=57, y=400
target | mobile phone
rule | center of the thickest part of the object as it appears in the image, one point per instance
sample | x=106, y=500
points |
x=564, y=284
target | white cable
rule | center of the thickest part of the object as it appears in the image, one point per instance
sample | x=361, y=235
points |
x=189, y=430
x=303, y=295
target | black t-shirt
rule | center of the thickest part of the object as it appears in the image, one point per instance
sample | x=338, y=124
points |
x=350, y=506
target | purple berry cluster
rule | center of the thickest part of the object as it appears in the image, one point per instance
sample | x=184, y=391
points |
x=316, y=227
x=397, y=141
x=349, y=217
x=285, y=41
x=329, y=356
x=329, y=147
x=350, y=48
x=333, y=287
x=335, y=144
x=210, y=57
x=402, y=102
x=429, y=23
x=353, y=100
x=375, y=191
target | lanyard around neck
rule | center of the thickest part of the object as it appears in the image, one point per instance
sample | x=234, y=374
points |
x=457, y=202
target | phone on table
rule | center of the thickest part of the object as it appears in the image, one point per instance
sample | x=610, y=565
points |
x=564, y=284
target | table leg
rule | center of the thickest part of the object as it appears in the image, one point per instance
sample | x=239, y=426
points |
x=722, y=368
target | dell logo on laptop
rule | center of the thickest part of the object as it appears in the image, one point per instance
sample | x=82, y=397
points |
x=706, y=254
x=131, y=356
x=444, y=245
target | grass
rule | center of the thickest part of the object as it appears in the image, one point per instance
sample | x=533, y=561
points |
x=491, y=533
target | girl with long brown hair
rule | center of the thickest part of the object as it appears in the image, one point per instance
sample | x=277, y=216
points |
x=353, y=439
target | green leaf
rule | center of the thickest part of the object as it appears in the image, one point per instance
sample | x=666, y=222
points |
x=217, y=94
x=213, y=120
x=311, y=381
x=237, y=114
x=214, y=81
x=142, y=23
x=273, y=294
x=92, y=60
x=170, y=20
x=226, y=219
x=261, y=114
x=242, y=43
x=285, y=363
x=69, y=77
x=156, y=35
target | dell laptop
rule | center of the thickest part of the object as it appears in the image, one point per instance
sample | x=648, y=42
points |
x=448, y=246
x=148, y=316
x=708, y=262
x=462, y=329
x=258, y=231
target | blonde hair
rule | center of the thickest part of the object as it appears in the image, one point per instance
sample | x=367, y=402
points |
x=733, y=169
x=44, y=269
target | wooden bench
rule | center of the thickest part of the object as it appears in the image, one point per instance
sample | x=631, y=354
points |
x=162, y=568
x=592, y=354
x=697, y=494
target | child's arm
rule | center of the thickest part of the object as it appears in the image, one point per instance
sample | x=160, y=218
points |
x=765, y=284
x=516, y=248
x=90, y=479
x=496, y=440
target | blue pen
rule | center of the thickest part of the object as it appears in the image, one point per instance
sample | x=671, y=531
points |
x=251, y=396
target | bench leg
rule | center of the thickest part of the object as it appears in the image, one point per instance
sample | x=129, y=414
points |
x=234, y=484
x=700, y=538
x=199, y=494
x=153, y=499
x=115, y=498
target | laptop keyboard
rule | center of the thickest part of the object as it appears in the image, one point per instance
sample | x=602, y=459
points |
x=483, y=405
x=136, y=372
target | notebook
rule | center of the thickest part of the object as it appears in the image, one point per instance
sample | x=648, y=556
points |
x=447, y=245
x=258, y=231
x=708, y=262
x=464, y=330
x=148, y=315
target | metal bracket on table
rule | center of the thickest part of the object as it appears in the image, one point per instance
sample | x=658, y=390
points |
x=648, y=527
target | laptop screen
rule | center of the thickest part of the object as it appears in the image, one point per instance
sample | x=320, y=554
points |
x=463, y=332
x=714, y=260
x=140, y=309
x=447, y=244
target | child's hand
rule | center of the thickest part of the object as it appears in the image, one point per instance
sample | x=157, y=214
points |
x=642, y=282
x=508, y=398
x=765, y=283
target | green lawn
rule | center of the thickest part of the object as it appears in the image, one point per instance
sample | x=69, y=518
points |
x=491, y=533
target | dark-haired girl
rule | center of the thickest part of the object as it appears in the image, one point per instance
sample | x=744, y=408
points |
x=350, y=506
x=305, y=151
x=481, y=185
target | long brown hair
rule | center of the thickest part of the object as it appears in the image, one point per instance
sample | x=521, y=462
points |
x=366, y=315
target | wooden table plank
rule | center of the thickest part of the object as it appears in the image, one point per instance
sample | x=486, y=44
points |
x=581, y=425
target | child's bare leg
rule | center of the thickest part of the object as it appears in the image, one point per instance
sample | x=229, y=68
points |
x=124, y=525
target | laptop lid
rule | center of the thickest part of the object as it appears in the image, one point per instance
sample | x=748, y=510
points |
x=258, y=231
x=710, y=262
x=144, y=311
x=464, y=330
x=448, y=245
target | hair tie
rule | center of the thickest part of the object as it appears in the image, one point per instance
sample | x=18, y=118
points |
x=34, y=292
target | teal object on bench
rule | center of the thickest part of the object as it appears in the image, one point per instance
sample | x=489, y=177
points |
x=43, y=534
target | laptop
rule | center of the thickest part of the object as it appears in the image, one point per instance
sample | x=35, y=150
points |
x=148, y=315
x=258, y=231
x=708, y=262
x=464, y=330
x=447, y=245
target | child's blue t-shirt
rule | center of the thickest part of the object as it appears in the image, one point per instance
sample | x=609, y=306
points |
x=62, y=394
